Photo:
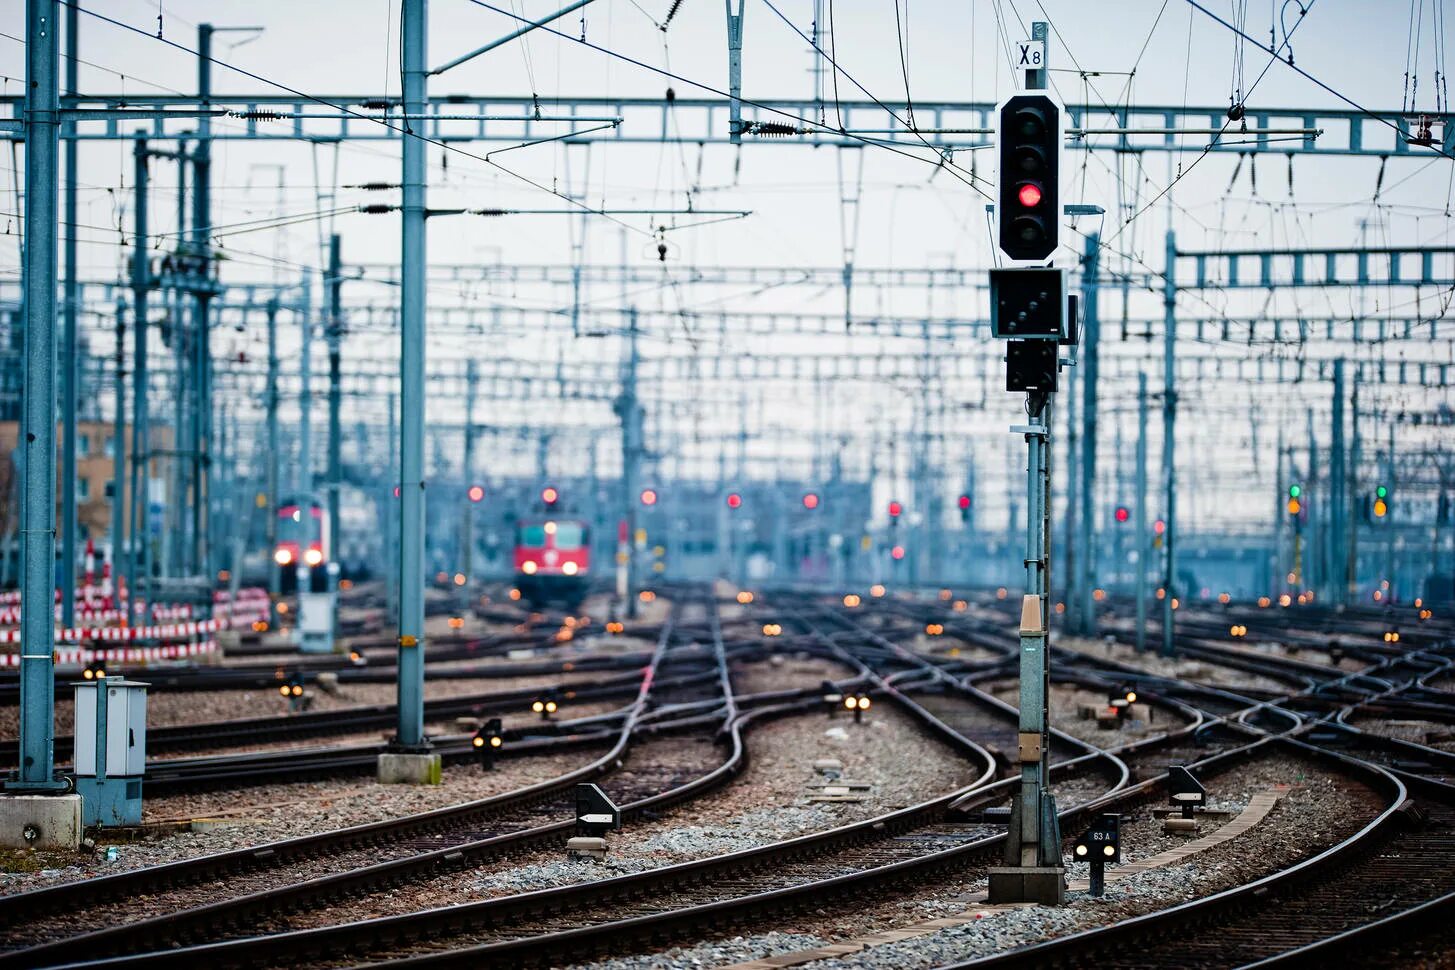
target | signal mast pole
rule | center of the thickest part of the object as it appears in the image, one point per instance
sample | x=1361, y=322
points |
x=1029, y=305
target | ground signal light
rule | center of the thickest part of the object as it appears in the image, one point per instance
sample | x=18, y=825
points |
x=1029, y=146
x=545, y=707
x=487, y=742
x=476, y=493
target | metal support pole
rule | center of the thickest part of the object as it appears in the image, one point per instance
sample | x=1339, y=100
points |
x=391, y=516
x=38, y=443
x=1088, y=366
x=139, y=564
x=1336, y=580
x=69, y=341
x=735, y=71
x=412, y=384
x=1169, y=448
x=1141, y=513
x=1351, y=567
x=275, y=575
x=118, y=458
x=630, y=413
x=202, y=335
x=335, y=432
x=1034, y=840
x=467, y=531
x=303, y=474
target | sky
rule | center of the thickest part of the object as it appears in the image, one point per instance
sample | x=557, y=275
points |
x=1129, y=52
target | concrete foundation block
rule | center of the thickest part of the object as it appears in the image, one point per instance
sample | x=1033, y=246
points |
x=586, y=847
x=40, y=821
x=409, y=769
x=1045, y=885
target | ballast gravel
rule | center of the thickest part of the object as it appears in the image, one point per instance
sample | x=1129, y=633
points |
x=767, y=803
x=1320, y=810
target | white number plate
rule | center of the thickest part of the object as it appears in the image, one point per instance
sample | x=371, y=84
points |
x=1030, y=55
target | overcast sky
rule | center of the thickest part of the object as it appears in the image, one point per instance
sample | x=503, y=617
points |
x=1127, y=52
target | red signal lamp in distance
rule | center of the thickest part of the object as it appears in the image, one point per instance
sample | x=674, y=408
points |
x=649, y=496
x=734, y=500
x=476, y=493
x=964, y=503
x=895, y=509
x=549, y=495
x=810, y=500
x=1123, y=513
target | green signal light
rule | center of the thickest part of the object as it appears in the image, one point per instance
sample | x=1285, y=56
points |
x=1294, y=491
x=1381, y=492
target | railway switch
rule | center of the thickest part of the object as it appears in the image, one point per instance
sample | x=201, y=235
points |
x=1099, y=846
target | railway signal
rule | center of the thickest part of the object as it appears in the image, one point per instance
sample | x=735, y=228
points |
x=1028, y=141
x=895, y=510
x=476, y=493
x=1101, y=844
x=487, y=743
x=1295, y=500
x=965, y=504
x=550, y=496
x=1381, y=502
x=545, y=706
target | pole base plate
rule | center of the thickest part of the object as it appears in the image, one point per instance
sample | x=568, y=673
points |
x=1045, y=885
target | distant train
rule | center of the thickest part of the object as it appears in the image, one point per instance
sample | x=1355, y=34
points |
x=552, y=560
x=303, y=538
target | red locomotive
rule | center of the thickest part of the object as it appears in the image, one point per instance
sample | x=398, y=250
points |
x=552, y=559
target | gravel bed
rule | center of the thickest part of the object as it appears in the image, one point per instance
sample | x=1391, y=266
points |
x=268, y=813
x=1320, y=811
x=1431, y=733
x=1067, y=703
x=766, y=803
x=1197, y=671
x=780, y=672
x=176, y=708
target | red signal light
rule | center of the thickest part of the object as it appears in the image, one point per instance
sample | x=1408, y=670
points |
x=895, y=509
x=897, y=552
x=396, y=491
x=476, y=493
x=734, y=500
x=810, y=500
x=549, y=495
x=964, y=503
x=1159, y=527
x=1029, y=195
x=1123, y=513
x=649, y=496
